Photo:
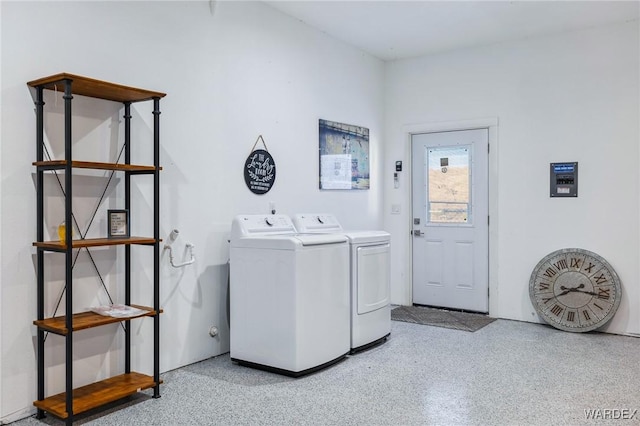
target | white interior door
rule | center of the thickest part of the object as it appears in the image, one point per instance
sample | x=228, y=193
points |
x=450, y=219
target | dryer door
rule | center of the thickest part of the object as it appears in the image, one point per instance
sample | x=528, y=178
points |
x=372, y=277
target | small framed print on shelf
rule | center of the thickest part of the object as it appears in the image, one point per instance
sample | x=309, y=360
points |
x=118, y=223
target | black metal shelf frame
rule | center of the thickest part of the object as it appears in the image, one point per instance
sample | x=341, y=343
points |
x=68, y=250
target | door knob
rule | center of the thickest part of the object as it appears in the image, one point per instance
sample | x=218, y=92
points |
x=417, y=233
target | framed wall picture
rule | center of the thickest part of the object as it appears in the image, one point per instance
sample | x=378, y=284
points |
x=118, y=223
x=344, y=156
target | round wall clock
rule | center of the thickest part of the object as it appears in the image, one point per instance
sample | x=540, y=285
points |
x=575, y=290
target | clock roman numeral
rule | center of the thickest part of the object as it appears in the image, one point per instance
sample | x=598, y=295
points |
x=597, y=306
x=557, y=310
x=549, y=273
x=601, y=279
x=604, y=293
x=575, y=262
x=590, y=267
x=561, y=264
x=586, y=315
x=543, y=286
x=571, y=316
x=547, y=299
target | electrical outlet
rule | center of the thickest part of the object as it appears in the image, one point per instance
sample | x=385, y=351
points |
x=395, y=208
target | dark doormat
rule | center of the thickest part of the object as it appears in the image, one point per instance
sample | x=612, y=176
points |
x=466, y=321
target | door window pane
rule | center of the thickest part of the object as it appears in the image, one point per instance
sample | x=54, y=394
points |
x=448, y=184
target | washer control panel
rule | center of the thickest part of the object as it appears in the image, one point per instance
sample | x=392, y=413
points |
x=252, y=225
x=316, y=223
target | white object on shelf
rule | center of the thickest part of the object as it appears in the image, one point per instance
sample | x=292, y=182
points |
x=117, y=311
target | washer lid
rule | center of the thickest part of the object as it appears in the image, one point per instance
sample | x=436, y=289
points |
x=288, y=242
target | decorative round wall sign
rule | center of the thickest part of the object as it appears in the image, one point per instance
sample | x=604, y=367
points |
x=259, y=170
x=575, y=290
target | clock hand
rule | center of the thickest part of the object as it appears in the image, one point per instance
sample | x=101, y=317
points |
x=587, y=292
x=571, y=289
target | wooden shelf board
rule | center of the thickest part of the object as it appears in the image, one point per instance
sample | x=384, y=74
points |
x=84, y=320
x=58, y=245
x=86, y=86
x=60, y=164
x=97, y=394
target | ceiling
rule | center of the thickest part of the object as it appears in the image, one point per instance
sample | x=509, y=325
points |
x=392, y=30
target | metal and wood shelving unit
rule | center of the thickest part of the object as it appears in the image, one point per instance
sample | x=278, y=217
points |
x=75, y=401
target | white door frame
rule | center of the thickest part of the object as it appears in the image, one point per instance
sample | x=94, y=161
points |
x=490, y=123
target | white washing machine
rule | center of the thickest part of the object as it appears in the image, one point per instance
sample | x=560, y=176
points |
x=289, y=296
x=369, y=255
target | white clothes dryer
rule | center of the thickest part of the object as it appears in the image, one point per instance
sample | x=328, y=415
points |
x=289, y=296
x=369, y=256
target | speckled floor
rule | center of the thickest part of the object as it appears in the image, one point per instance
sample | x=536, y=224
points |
x=507, y=373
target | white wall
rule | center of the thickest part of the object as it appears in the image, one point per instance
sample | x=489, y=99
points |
x=567, y=97
x=230, y=75
x=246, y=70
